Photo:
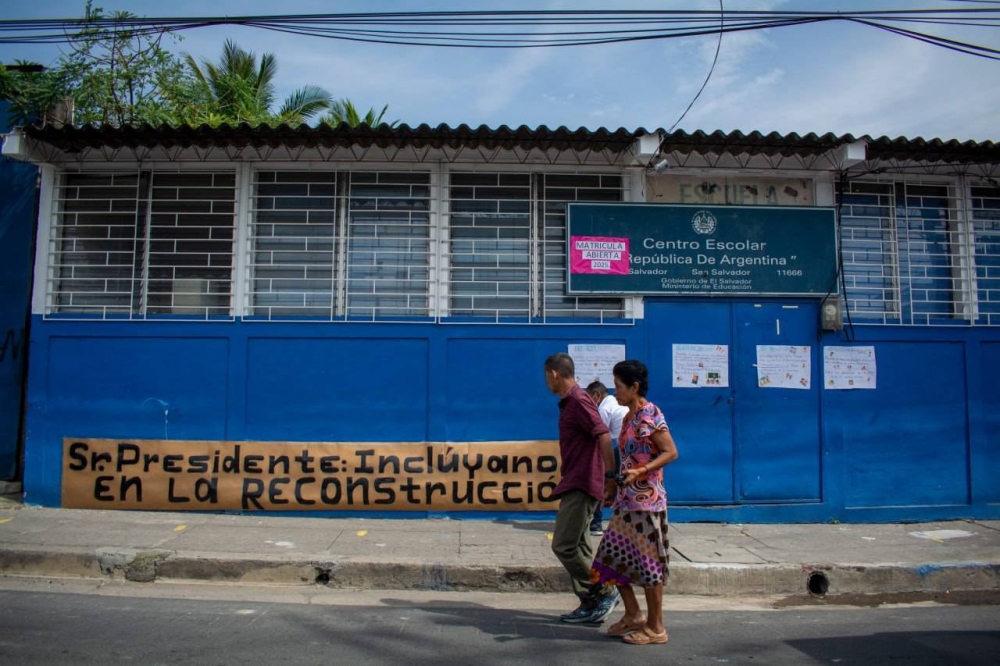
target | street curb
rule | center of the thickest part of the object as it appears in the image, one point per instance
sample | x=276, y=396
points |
x=446, y=577
x=77, y=563
x=822, y=579
x=685, y=577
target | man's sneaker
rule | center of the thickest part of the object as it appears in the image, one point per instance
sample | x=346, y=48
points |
x=597, y=530
x=580, y=615
x=605, y=606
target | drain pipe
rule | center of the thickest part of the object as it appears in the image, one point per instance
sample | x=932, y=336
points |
x=818, y=584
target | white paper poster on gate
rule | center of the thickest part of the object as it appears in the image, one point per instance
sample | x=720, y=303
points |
x=596, y=362
x=696, y=366
x=784, y=366
x=846, y=368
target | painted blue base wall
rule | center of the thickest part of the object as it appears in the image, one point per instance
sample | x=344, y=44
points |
x=925, y=445
x=17, y=215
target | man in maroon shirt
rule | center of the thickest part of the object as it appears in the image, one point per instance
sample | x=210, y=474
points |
x=585, y=449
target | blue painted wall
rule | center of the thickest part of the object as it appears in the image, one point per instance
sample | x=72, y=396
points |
x=17, y=223
x=912, y=450
x=985, y=457
x=924, y=445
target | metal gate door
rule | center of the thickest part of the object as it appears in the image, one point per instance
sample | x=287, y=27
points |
x=777, y=429
x=701, y=419
x=740, y=443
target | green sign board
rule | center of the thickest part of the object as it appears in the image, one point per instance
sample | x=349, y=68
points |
x=653, y=249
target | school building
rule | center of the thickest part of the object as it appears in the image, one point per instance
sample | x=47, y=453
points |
x=323, y=319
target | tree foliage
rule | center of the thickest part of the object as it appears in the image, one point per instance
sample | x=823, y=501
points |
x=121, y=76
x=118, y=76
x=344, y=111
x=32, y=92
x=239, y=88
x=114, y=75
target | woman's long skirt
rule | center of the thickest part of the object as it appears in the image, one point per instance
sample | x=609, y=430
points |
x=635, y=550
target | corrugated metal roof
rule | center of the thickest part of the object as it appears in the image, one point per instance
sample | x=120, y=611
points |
x=75, y=139
x=423, y=136
x=812, y=144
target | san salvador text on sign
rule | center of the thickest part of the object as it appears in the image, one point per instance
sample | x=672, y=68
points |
x=702, y=250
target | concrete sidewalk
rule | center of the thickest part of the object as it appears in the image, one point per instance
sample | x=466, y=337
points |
x=706, y=559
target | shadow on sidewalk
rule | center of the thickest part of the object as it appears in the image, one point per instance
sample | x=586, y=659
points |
x=913, y=648
x=544, y=526
x=436, y=632
x=505, y=625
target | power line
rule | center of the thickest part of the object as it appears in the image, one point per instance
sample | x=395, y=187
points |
x=498, y=29
x=718, y=47
x=510, y=29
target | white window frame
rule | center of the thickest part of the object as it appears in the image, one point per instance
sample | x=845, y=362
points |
x=46, y=285
x=241, y=292
x=961, y=234
x=341, y=275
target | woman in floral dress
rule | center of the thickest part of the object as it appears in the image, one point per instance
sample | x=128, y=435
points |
x=634, y=550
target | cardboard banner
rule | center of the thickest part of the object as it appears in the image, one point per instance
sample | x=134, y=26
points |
x=292, y=476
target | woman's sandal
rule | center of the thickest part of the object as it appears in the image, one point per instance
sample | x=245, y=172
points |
x=646, y=637
x=624, y=627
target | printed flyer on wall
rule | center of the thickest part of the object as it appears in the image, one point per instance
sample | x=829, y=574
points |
x=596, y=362
x=697, y=366
x=846, y=368
x=784, y=366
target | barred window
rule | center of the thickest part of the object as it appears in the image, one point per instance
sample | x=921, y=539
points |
x=507, y=244
x=926, y=250
x=388, y=245
x=901, y=253
x=868, y=247
x=333, y=244
x=490, y=245
x=329, y=244
x=190, y=258
x=132, y=244
x=294, y=243
x=556, y=191
x=93, y=259
x=986, y=231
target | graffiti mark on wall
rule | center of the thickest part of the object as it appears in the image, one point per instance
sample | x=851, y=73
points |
x=11, y=346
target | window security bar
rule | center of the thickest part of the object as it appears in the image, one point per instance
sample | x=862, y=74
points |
x=128, y=245
x=915, y=254
x=456, y=246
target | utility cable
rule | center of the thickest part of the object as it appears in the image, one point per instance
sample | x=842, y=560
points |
x=601, y=26
x=718, y=47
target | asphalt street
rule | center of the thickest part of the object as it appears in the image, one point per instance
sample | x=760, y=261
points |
x=67, y=622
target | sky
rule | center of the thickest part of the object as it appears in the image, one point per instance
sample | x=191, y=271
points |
x=833, y=77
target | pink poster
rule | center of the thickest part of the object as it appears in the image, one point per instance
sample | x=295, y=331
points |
x=598, y=254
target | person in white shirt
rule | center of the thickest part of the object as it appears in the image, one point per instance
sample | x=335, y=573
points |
x=612, y=414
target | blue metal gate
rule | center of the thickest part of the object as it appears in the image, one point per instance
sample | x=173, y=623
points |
x=749, y=444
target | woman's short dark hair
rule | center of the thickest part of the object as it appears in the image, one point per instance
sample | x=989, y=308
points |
x=633, y=372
